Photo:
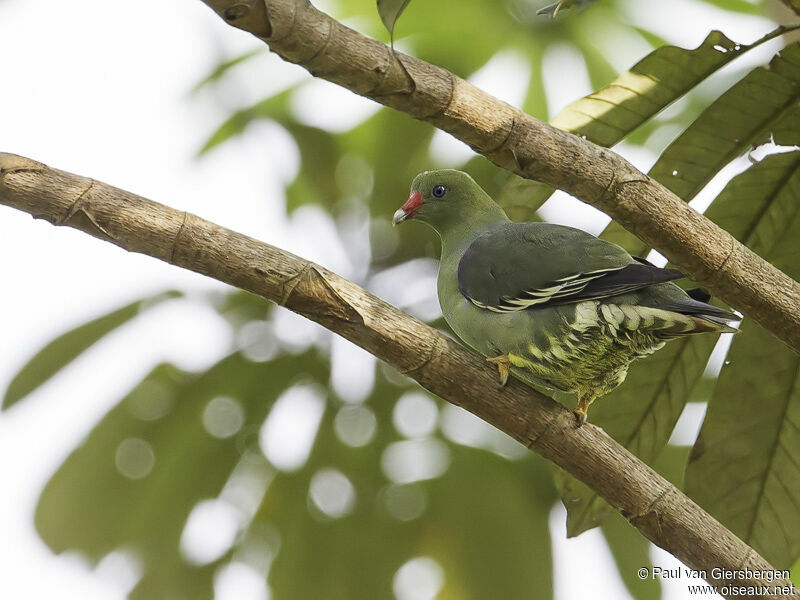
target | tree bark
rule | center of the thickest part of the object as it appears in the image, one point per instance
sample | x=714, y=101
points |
x=513, y=140
x=654, y=506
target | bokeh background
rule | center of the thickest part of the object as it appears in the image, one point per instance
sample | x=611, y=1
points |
x=225, y=445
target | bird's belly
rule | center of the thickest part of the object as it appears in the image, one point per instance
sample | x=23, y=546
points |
x=569, y=347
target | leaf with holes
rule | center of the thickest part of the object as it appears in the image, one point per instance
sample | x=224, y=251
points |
x=607, y=116
x=763, y=106
x=652, y=84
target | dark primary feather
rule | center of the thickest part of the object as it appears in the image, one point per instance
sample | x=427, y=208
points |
x=627, y=279
x=690, y=306
x=515, y=266
x=699, y=294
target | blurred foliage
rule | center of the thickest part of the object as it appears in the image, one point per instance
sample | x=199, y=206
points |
x=165, y=450
x=64, y=349
x=342, y=523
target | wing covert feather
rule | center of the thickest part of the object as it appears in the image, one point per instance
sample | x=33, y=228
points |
x=521, y=265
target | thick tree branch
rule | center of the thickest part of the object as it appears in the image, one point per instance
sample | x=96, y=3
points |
x=658, y=509
x=299, y=33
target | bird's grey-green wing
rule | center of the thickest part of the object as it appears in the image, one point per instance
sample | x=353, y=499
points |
x=516, y=266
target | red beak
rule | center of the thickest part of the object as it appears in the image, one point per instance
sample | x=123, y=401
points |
x=409, y=208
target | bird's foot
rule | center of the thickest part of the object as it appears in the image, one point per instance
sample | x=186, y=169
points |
x=503, y=367
x=583, y=408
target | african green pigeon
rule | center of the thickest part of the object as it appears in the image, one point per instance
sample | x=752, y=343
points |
x=555, y=304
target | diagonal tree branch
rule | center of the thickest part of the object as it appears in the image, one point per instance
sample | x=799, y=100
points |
x=658, y=509
x=299, y=33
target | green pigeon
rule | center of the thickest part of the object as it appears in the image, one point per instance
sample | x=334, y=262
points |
x=552, y=304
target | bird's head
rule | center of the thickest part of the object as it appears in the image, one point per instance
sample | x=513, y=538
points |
x=446, y=198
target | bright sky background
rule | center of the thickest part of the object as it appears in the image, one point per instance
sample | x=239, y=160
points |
x=101, y=89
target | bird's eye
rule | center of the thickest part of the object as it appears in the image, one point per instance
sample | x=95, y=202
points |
x=439, y=191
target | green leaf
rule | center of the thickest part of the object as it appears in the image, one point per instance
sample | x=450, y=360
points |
x=763, y=105
x=671, y=464
x=743, y=468
x=390, y=11
x=655, y=41
x=484, y=521
x=655, y=82
x=607, y=116
x=756, y=207
x=585, y=509
x=760, y=107
x=275, y=107
x=239, y=308
x=439, y=27
x=667, y=378
x=68, y=346
x=592, y=511
x=106, y=497
x=535, y=102
x=222, y=68
x=600, y=71
x=485, y=501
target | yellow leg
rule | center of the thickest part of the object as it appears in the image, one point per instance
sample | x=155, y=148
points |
x=503, y=367
x=583, y=407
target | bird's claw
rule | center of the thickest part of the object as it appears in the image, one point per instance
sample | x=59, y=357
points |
x=503, y=376
x=503, y=367
x=583, y=407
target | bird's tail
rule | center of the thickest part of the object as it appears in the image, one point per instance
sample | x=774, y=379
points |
x=699, y=317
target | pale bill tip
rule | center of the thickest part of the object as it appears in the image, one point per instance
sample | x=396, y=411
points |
x=399, y=216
